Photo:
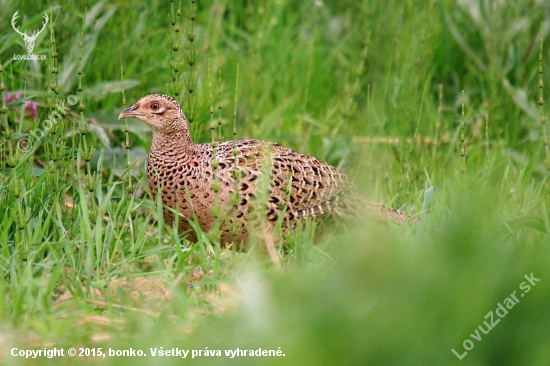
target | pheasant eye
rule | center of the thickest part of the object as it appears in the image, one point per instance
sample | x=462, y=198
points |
x=155, y=106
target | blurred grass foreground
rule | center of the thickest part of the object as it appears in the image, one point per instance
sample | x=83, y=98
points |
x=437, y=108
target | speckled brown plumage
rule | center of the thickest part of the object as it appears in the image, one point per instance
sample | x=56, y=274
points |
x=298, y=186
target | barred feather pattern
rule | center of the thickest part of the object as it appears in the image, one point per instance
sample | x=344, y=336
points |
x=241, y=183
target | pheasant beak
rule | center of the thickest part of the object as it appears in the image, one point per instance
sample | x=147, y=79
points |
x=130, y=113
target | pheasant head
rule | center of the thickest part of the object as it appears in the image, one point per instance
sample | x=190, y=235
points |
x=160, y=112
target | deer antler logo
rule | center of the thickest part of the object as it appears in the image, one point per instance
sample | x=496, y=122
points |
x=29, y=40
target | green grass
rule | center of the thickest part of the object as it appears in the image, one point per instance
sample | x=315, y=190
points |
x=384, y=90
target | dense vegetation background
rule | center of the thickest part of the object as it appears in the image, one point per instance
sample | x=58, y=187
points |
x=437, y=108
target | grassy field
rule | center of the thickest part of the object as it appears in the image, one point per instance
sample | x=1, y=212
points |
x=437, y=108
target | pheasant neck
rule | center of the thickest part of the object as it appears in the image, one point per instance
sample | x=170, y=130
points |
x=174, y=143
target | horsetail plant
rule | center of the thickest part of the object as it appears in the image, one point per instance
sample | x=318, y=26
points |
x=541, y=102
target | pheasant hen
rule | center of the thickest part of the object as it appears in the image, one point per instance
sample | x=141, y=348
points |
x=242, y=182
